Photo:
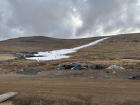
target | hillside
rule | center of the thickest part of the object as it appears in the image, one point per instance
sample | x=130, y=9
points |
x=40, y=43
x=116, y=47
x=121, y=49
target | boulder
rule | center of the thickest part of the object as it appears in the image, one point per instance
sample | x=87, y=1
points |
x=23, y=55
x=115, y=67
x=71, y=66
x=6, y=96
x=81, y=66
x=97, y=66
x=64, y=67
x=136, y=77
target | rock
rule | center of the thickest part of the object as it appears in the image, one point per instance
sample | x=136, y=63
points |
x=115, y=67
x=114, y=72
x=76, y=66
x=136, y=77
x=107, y=72
x=23, y=55
x=80, y=66
x=71, y=66
x=64, y=67
x=97, y=66
x=6, y=96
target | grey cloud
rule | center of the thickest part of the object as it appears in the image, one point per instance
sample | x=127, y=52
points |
x=68, y=18
x=108, y=16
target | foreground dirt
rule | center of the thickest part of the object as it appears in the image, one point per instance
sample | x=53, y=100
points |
x=99, y=92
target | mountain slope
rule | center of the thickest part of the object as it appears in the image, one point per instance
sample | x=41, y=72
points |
x=40, y=43
x=121, y=49
x=116, y=47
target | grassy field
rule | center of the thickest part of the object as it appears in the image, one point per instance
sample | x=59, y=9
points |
x=72, y=92
x=4, y=57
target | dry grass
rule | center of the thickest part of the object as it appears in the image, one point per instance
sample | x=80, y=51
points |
x=38, y=43
x=4, y=57
x=7, y=103
x=117, y=47
x=42, y=91
x=50, y=100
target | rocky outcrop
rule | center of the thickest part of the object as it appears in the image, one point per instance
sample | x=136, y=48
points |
x=24, y=55
x=81, y=66
x=115, y=67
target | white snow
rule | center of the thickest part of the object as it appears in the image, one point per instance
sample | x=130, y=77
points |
x=62, y=53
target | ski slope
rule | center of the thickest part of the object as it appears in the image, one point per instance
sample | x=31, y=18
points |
x=62, y=53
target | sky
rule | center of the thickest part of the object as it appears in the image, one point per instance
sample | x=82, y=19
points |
x=68, y=18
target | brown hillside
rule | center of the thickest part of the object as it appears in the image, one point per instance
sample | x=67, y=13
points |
x=40, y=43
x=116, y=47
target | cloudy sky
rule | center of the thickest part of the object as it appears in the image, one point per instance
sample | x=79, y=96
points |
x=68, y=18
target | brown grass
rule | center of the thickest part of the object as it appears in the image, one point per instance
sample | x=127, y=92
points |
x=33, y=91
x=7, y=103
x=38, y=43
x=117, y=47
x=4, y=57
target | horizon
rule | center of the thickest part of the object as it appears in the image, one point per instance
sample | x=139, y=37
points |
x=68, y=38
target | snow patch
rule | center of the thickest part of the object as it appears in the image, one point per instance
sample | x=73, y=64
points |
x=62, y=53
